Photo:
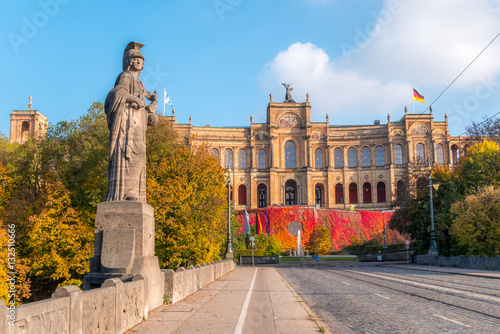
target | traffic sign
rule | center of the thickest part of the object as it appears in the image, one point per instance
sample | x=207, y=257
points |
x=252, y=238
x=407, y=242
x=384, y=246
x=252, y=243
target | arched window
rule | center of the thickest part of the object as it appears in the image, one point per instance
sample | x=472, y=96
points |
x=353, y=193
x=439, y=154
x=290, y=155
x=381, y=192
x=215, y=153
x=242, y=195
x=242, y=159
x=365, y=157
x=351, y=157
x=454, y=154
x=261, y=159
x=339, y=158
x=339, y=193
x=318, y=194
x=261, y=192
x=318, y=158
x=367, y=192
x=228, y=158
x=420, y=154
x=25, y=131
x=398, y=154
x=379, y=156
x=290, y=192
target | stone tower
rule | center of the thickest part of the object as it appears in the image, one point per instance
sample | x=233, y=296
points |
x=26, y=124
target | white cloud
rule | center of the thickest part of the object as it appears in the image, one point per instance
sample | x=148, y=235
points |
x=427, y=43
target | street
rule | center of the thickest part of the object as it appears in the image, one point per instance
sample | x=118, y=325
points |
x=352, y=297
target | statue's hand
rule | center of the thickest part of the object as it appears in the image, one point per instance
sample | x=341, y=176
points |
x=134, y=105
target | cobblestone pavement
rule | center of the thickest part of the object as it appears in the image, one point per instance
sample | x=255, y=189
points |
x=355, y=297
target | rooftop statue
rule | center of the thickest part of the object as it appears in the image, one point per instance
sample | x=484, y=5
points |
x=128, y=118
x=288, y=95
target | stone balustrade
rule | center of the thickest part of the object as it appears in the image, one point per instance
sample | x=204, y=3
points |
x=113, y=308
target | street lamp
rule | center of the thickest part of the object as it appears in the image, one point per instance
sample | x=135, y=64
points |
x=433, y=246
x=229, y=250
x=385, y=246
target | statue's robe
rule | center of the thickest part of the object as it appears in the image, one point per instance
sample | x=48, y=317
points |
x=127, y=141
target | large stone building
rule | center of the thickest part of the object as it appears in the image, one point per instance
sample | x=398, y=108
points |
x=26, y=124
x=290, y=160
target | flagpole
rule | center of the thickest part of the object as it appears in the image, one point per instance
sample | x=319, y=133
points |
x=164, y=93
x=413, y=99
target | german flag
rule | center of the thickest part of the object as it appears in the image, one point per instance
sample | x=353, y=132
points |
x=417, y=96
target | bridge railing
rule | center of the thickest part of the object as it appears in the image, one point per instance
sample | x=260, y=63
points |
x=113, y=308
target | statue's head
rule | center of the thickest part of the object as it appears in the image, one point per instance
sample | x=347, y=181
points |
x=131, y=51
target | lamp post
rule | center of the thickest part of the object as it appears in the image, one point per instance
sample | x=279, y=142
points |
x=433, y=246
x=229, y=250
x=385, y=246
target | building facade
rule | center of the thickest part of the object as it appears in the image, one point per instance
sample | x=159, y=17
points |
x=290, y=160
x=26, y=124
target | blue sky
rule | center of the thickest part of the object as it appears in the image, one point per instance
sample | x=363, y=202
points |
x=220, y=59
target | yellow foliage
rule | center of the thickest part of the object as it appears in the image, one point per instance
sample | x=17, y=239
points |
x=187, y=190
x=61, y=244
x=13, y=269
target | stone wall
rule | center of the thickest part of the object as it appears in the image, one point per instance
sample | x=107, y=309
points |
x=113, y=308
x=467, y=262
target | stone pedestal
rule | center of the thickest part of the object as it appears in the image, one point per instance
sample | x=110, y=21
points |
x=124, y=247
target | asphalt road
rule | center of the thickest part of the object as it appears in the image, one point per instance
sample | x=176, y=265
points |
x=353, y=297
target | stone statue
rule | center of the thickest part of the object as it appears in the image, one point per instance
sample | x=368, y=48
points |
x=128, y=118
x=288, y=95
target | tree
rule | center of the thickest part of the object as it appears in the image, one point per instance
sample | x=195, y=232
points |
x=480, y=166
x=60, y=244
x=475, y=222
x=412, y=207
x=78, y=151
x=320, y=241
x=489, y=129
x=188, y=191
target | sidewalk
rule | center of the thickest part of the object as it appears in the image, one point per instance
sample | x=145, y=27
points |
x=446, y=270
x=246, y=300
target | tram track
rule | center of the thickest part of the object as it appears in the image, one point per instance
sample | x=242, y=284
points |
x=443, y=279
x=458, y=305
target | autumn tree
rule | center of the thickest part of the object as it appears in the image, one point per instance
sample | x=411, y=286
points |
x=320, y=241
x=476, y=225
x=187, y=190
x=60, y=244
x=480, y=166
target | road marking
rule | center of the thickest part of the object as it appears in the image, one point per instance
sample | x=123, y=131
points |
x=450, y=320
x=382, y=296
x=346, y=283
x=430, y=286
x=243, y=314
